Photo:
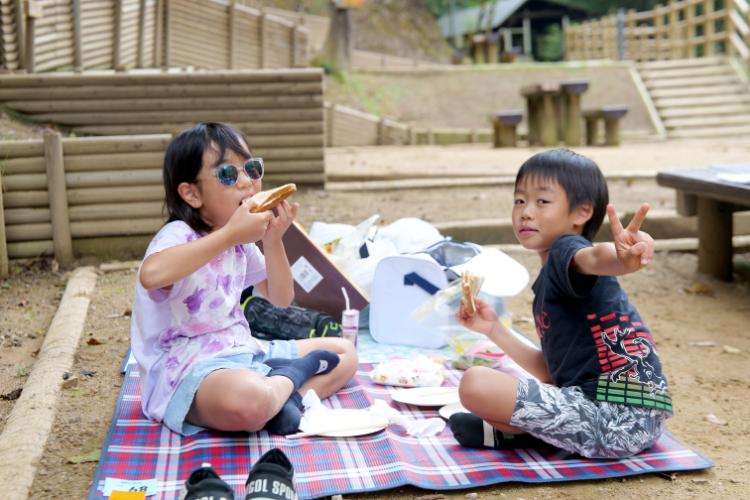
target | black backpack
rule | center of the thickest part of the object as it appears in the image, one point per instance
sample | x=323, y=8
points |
x=269, y=322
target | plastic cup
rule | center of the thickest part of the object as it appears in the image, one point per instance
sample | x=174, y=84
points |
x=350, y=325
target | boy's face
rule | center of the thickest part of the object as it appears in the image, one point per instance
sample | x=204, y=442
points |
x=541, y=214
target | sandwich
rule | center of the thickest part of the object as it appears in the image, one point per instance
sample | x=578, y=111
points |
x=266, y=200
x=470, y=285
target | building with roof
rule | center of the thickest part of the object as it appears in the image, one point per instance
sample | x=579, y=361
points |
x=506, y=27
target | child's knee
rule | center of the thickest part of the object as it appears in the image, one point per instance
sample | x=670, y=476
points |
x=474, y=382
x=248, y=409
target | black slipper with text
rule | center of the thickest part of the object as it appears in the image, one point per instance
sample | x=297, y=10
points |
x=271, y=478
x=204, y=482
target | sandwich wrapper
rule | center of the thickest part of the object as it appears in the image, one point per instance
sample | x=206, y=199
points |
x=318, y=416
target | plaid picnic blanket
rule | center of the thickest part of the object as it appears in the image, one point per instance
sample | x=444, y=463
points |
x=138, y=449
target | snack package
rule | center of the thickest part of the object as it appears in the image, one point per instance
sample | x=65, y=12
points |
x=418, y=372
x=474, y=350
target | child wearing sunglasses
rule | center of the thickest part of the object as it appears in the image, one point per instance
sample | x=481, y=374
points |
x=599, y=389
x=200, y=366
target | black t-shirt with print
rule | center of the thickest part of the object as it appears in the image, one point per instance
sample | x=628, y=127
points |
x=592, y=336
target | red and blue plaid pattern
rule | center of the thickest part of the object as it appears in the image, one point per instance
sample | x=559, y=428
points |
x=136, y=448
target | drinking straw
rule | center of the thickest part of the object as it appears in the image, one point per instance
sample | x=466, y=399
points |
x=346, y=297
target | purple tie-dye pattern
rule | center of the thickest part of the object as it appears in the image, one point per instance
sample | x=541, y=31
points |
x=226, y=283
x=194, y=300
x=166, y=338
x=212, y=345
x=199, y=318
x=172, y=363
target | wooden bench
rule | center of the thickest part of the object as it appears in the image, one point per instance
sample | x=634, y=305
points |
x=505, y=126
x=611, y=116
x=703, y=192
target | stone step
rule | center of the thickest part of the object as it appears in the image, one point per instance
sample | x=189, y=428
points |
x=699, y=81
x=660, y=224
x=707, y=121
x=656, y=74
x=712, y=132
x=705, y=111
x=700, y=91
x=697, y=101
x=682, y=63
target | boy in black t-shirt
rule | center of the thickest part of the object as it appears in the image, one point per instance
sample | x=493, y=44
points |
x=600, y=390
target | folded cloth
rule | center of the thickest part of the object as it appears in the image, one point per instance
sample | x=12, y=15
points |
x=271, y=478
x=204, y=482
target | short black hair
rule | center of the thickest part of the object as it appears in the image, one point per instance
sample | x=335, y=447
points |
x=579, y=176
x=183, y=161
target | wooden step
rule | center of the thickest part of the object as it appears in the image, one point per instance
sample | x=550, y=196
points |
x=707, y=121
x=699, y=91
x=708, y=100
x=720, y=109
x=722, y=132
x=655, y=74
x=682, y=63
x=702, y=81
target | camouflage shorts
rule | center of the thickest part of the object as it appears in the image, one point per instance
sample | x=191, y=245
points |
x=566, y=418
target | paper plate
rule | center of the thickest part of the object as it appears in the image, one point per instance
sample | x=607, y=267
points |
x=427, y=396
x=448, y=410
x=347, y=423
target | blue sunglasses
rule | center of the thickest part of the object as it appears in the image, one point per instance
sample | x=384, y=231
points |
x=228, y=174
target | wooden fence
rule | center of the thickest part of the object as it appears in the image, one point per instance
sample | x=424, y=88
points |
x=45, y=35
x=59, y=193
x=676, y=30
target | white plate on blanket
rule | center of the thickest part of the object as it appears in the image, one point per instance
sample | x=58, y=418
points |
x=448, y=410
x=343, y=422
x=427, y=396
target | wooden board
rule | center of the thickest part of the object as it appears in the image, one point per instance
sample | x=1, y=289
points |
x=317, y=280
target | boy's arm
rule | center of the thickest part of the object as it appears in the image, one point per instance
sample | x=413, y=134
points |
x=631, y=250
x=528, y=357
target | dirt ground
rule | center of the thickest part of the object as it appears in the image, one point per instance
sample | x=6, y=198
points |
x=700, y=324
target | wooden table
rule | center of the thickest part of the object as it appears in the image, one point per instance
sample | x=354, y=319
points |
x=703, y=193
x=554, y=111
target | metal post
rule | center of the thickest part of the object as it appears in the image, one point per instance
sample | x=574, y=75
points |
x=621, y=34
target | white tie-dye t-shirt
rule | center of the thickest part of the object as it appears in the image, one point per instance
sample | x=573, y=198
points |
x=199, y=317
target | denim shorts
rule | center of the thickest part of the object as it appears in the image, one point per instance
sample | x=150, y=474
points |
x=564, y=417
x=182, y=399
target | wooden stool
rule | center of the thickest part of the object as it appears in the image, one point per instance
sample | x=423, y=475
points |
x=611, y=116
x=504, y=125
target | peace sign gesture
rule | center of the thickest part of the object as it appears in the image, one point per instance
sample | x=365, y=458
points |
x=635, y=248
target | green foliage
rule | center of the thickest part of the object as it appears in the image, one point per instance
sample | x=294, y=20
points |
x=551, y=44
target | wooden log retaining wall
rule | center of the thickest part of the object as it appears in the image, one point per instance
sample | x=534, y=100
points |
x=675, y=30
x=59, y=192
x=350, y=127
x=123, y=34
x=281, y=111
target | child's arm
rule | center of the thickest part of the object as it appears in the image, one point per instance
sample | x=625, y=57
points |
x=631, y=250
x=486, y=322
x=278, y=287
x=163, y=269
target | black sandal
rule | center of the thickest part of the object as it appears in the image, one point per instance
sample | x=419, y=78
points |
x=204, y=482
x=271, y=478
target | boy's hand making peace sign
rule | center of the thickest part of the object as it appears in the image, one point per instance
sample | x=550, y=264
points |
x=634, y=248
